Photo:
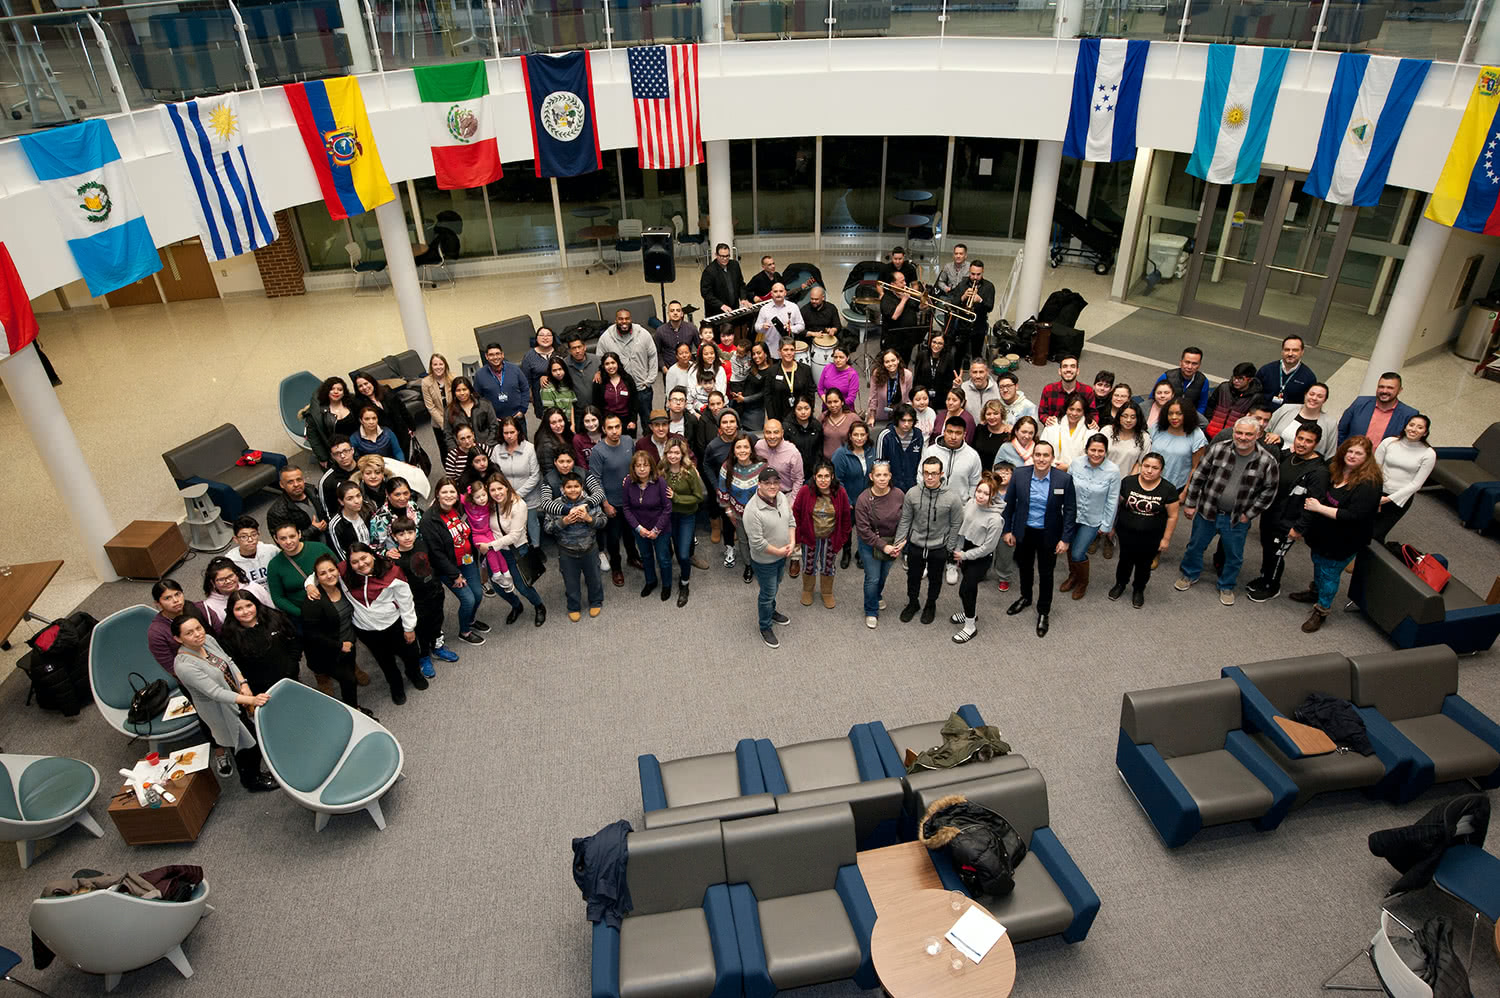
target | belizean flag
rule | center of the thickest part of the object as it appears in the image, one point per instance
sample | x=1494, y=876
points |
x=560, y=90
x=664, y=94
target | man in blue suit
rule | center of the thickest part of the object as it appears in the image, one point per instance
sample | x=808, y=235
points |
x=1377, y=416
x=1039, y=523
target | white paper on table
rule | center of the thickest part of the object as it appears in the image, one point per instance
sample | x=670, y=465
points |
x=975, y=932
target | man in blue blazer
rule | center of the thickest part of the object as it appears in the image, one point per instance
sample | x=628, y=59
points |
x=1040, y=520
x=1377, y=416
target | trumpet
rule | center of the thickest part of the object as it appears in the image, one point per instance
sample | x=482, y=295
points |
x=926, y=299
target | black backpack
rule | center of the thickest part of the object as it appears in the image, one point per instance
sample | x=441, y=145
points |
x=983, y=846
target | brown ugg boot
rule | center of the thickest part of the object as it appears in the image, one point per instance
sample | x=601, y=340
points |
x=827, y=588
x=807, y=588
x=326, y=685
x=1071, y=580
x=1081, y=568
x=715, y=531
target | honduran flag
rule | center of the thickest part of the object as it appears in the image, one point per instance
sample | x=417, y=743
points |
x=1467, y=195
x=81, y=170
x=1368, y=107
x=1106, y=98
x=560, y=91
x=210, y=143
x=330, y=116
x=456, y=100
x=16, y=317
x=1234, y=118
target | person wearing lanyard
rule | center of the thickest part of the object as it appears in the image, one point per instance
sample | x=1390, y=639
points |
x=502, y=384
x=1289, y=380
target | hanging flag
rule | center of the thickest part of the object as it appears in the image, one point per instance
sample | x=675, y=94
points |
x=206, y=134
x=664, y=93
x=1106, y=97
x=82, y=171
x=560, y=89
x=1372, y=95
x=1468, y=189
x=330, y=114
x=456, y=100
x=1239, y=97
x=16, y=317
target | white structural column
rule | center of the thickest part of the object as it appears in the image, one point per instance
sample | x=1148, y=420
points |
x=1414, y=284
x=690, y=195
x=402, y=269
x=42, y=415
x=720, y=204
x=1038, y=228
x=354, y=30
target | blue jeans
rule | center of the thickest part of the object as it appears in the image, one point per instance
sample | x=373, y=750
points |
x=1081, y=541
x=768, y=577
x=533, y=526
x=513, y=555
x=1231, y=533
x=683, y=525
x=1327, y=574
x=656, y=552
x=585, y=566
x=468, y=595
x=876, y=570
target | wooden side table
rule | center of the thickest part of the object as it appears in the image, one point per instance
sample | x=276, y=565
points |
x=146, y=549
x=907, y=971
x=196, y=794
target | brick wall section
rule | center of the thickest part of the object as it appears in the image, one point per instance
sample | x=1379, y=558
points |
x=280, y=269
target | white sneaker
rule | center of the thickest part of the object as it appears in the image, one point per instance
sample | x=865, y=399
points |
x=728, y=556
x=950, y=575
x=871, y=622
x=603, y=562
x=882, y=604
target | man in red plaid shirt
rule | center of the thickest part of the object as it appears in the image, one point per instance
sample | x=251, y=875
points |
x=1056, y=396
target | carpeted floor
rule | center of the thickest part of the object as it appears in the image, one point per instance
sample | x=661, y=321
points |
x=532, y=740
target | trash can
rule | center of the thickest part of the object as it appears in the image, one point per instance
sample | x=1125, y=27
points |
x=1474, y=337
x=1167, y=252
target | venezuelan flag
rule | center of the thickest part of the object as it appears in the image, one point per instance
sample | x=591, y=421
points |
x=330, y=114
x=1467, y=195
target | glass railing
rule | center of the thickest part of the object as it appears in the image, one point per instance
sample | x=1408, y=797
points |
x=1416, y=28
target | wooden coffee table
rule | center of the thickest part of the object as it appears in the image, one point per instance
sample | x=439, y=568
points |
x=910, y=906
x=196, y=794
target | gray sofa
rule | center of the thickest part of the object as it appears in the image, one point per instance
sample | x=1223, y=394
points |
x=1412, y=614
x=210, y=458
x=1471, y=475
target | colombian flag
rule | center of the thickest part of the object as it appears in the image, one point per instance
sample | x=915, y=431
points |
x=330, y=114
x=1468, y=189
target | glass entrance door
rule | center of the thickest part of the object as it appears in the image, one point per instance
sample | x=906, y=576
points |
x=1269, y=256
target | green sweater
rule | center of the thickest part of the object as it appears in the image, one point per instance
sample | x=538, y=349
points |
x=286, y=576
x=687, y=490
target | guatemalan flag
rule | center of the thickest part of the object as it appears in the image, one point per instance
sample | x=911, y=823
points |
x=564, y=132
x=209, y=141
x=1239, y=97
x=1106, y=97
x=81, y=169
x=1371, y=98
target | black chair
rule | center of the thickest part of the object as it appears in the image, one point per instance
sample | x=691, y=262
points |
x=514, y=335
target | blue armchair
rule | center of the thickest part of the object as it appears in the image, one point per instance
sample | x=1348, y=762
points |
x=1412, y=614
x=210, y=459
x=1412, y=711
x=1472, y=476
x=1184, y=754
x=836, y=771
x=721, y=785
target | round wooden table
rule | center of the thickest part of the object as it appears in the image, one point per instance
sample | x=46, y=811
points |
x=907, y=971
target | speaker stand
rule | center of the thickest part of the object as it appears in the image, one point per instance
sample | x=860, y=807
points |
x=663, y=312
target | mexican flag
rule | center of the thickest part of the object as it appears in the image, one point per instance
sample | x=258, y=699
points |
x=456, y=101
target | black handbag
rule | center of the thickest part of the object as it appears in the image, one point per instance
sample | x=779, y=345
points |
x=528, y=566
x=418, y=456
x=148, y=701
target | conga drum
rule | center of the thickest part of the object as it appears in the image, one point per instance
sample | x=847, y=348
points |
x=1041, y=343
x=822, y=353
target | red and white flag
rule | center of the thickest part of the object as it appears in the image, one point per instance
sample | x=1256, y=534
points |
x=16, y=316
x=664, y=94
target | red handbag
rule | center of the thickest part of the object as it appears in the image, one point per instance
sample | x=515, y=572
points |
x=1427, y=568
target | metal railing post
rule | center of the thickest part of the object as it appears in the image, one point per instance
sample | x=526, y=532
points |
x=489, y=7
x=239, y=27
x=114, y=78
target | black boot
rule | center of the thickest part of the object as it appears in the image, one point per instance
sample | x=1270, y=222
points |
x=247, y=761
x=682, y=594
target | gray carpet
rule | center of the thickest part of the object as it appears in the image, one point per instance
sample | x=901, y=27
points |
x=1144, y=330
x=532, y=740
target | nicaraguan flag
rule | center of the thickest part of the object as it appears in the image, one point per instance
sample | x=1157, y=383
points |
x=1467, y=195
x=206, y=133
x=1371, y=98
x=1239, y=97
x=1106, y=97
x=92, y=200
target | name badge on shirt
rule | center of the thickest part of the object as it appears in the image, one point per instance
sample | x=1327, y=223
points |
x=1057, y=492
x=624, y=391
x=502, y=397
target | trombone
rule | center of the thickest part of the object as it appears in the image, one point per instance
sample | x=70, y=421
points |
x=927, y=300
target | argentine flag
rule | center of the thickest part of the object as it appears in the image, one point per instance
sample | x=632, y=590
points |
x=81, y=170
x=1371, y=98
x=1106, y=97
x=1239, y=97
x=210, y=143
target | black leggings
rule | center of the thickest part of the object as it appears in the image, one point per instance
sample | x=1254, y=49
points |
x=1386, y=518
x=340, y=666
x=1137, y=551
x=429, y=622
x=973, y=573
x=388, y=645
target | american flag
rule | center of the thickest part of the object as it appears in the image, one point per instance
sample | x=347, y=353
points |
x=664, y=92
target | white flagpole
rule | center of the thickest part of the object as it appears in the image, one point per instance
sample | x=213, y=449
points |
x=114, y=80
x=489, y=6
x=379, y=59
x=239, y=27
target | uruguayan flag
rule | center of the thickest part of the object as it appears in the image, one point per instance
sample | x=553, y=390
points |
x=82, y=172
x=207, y=134
x=1372, y=95
x=1239, y=97
x=1106, y=97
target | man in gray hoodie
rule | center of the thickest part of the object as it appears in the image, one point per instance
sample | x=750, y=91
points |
x=931, y=516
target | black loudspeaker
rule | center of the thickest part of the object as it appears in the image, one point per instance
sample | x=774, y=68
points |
x=656, y=256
